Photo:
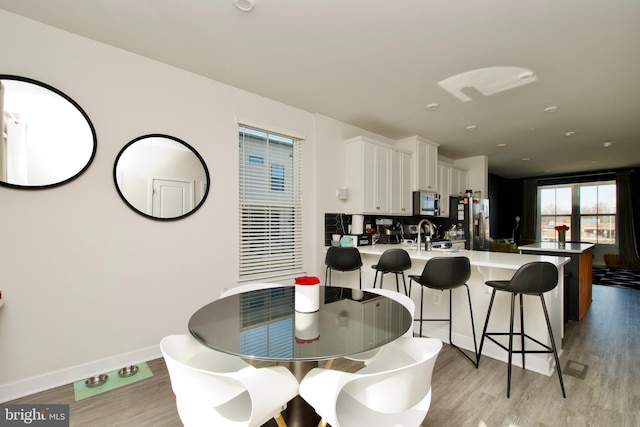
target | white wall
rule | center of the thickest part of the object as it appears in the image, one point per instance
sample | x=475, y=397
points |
x=89, y=284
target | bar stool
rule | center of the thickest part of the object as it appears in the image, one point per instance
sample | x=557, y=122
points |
x=342, y=258
x=534, y=278
x=394, y=261
x=444, y=273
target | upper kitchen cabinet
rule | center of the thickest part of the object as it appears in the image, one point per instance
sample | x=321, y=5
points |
x=445, y=173
x=459, y=183
x=401, y=190
x=425, y=162
x=367, y=174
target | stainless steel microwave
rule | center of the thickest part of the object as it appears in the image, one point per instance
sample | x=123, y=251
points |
x=426, y=203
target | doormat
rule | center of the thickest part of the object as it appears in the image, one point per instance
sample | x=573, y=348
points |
x=114, y=381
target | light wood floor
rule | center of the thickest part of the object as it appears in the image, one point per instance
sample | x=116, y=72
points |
x=607, y=340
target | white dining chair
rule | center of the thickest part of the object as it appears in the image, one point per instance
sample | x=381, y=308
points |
x=249, y=287
x=218, y=389
x=393, y=390
x=368, y=356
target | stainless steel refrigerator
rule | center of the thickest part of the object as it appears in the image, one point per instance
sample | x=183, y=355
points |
x=473, y=214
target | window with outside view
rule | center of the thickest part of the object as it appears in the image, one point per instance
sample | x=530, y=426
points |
x=588, y=209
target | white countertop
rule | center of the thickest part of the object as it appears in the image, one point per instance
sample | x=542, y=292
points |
x=510, y=261
x=576, y=248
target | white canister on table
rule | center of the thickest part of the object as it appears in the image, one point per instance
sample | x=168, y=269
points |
x=307, y=294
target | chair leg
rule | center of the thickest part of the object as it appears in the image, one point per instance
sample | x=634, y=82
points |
x=553, y=345
x=322, y=423
x=522, y=336
x=375, y=280
x=327, y=276
x=397, y=283
x=421, y=304
x=513, y=300
x=473, y=329
x=280, y=421
x=360, y=277
x=404, y=283
x=486, y=323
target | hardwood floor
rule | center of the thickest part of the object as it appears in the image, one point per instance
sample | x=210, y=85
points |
x=607, y=340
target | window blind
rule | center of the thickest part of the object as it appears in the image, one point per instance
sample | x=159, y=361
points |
x=270, y=204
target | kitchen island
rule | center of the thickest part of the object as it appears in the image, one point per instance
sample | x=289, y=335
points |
x=484, y=266
x=578, y=276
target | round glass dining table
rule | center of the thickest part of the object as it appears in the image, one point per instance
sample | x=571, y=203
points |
x=264, y=325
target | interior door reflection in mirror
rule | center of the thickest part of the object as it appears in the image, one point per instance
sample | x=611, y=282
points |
x=161, y=177
x=47, y=139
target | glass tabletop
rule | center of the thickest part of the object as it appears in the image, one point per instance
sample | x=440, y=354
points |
x=263, y=324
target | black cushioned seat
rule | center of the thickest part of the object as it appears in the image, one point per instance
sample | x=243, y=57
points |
x=342, y=258
x=394, y=261
x=534, y=278
x=446, y=273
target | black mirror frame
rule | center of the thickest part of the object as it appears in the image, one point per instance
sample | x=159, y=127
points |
x=178, y=140
x=84, y=114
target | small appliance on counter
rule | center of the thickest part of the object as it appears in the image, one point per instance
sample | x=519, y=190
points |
x=359, y=239
x=389, y=235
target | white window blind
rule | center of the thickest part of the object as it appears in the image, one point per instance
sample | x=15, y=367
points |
x=270, y=204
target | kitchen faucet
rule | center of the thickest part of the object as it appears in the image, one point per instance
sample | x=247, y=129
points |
x=420, y=231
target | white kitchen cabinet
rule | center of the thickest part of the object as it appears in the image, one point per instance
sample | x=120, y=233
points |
x=425, y=162
x=367, y=174
x=444, y=187
x=459, y=182
x=401, y=190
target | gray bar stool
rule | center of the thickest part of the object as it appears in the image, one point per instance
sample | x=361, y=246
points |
x=446, y=273
x=534, y=278
x=394, y=261
x=342, y=258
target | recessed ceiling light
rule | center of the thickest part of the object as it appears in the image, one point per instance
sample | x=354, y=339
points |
x=525, y=159
x=245, y=5
x=551, y=109
x=432, y=107
x=607, y=144
x=501, y=145
x=471, y=128
x=569, y=133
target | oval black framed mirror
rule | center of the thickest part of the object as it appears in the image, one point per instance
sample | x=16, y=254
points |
x=47, y=138
x=161, y=177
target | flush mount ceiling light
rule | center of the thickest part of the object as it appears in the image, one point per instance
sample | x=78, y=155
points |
x=244, y=5
x=487, y=81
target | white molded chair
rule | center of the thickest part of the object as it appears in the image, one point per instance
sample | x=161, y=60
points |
x=368, y=356
x=249, y=287
x=218, y=389
x=394, y=390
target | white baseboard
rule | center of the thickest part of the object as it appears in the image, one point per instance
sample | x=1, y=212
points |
x=70, y=375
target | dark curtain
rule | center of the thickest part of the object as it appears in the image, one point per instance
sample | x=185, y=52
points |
x=625, y=223
x=529, y=210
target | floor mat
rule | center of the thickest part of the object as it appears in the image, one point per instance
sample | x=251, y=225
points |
x=616, y=277
x=114, y=381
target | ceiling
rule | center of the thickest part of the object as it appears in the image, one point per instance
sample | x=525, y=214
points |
x=377, y=64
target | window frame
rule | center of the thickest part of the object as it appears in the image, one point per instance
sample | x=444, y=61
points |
x=270, y=204
x=576, y=215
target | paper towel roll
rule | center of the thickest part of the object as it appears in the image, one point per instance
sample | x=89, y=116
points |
x=357, y=224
